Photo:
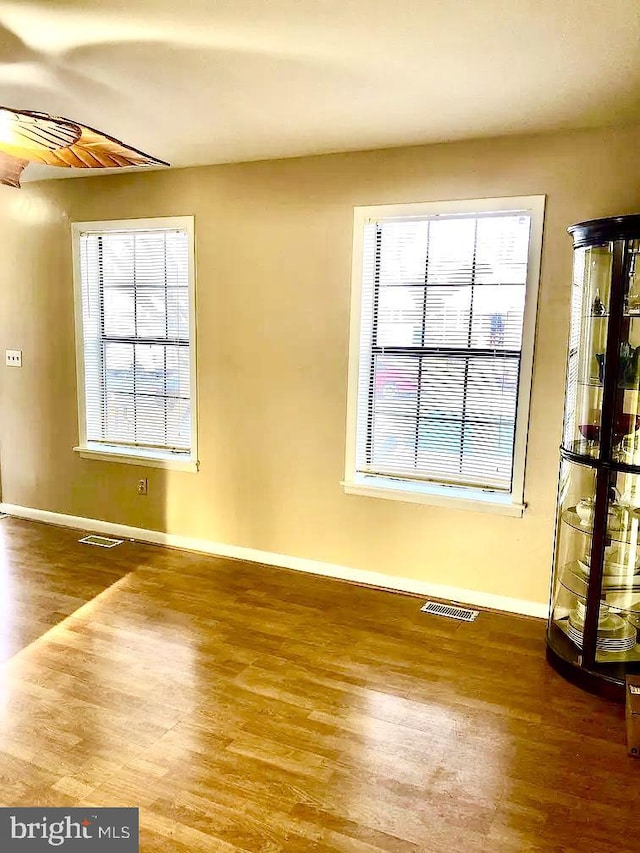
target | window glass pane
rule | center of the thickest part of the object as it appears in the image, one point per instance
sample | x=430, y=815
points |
x=119, y=367
x=447, y=316
x=501, y=253
x=441, y=407
x=492, y=388
x=439, y=447
x=178, y=313
x=150, y=259
x=392, y=439
x=487, y=451
x=150, y=313
x=119, y=417
x=178, y=423
x=115, y=263
x=177, y=271
x=400, y=316
x=396, y=383
x=498, y=311
x=403, y=253
x=442, y=387
x=149, y=369
x=393, y=443
x=178, y=371
x=150, y=420
x=119, y=312
x=451, y=251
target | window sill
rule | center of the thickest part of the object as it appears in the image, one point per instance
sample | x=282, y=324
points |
x=148, y=458
x=455, y=497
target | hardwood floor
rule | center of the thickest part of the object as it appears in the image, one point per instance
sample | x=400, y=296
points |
x=246, y=708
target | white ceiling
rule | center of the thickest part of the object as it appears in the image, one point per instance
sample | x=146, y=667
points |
x=211, y=81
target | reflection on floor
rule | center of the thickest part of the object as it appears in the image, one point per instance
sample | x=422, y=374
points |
x=45, y=576
x=248, y=708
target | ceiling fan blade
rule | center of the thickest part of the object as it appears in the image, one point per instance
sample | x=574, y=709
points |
x=11, y=169
x=31, y=137
x=23, y=131
x=95, y=150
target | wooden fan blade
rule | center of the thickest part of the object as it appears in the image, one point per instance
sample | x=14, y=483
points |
x=11, y=169
x=95, y=150
x=22, y=131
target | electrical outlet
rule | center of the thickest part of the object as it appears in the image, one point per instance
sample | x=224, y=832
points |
x=143, y=486
x=13, y=357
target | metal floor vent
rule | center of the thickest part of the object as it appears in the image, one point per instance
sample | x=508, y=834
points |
x=101, y=541
x=462, y=614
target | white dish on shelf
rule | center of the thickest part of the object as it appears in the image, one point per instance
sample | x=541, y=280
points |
x=607, y=649
x=616, y=515
x=624, y=642
x=608, y=623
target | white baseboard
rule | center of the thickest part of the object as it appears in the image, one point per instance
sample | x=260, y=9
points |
x=300, y=564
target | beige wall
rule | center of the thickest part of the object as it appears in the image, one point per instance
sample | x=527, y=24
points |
x=273, y=268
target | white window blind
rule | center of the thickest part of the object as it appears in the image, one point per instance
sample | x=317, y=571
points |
x=440, y=347
x=135, y=288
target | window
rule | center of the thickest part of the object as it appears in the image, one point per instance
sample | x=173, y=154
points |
x=135, y=324
x=443, y=319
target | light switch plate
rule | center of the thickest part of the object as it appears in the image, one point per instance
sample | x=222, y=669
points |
x=13, y=357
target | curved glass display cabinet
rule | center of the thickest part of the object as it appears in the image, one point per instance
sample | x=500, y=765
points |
x=592, y=636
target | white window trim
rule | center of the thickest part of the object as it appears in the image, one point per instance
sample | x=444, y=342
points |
x=150, y=457
x=456, y=497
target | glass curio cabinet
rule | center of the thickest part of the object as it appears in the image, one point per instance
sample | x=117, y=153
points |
x=592, y=636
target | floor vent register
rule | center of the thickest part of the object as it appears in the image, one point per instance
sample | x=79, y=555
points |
x=101, y=541
x=462, y=614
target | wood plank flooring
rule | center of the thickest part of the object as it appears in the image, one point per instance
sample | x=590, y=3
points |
x=247, y=708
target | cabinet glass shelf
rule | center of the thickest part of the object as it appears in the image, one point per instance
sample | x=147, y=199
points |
x=629, y=524
x=576, y=580
x=627, y=315
x=622, y=454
